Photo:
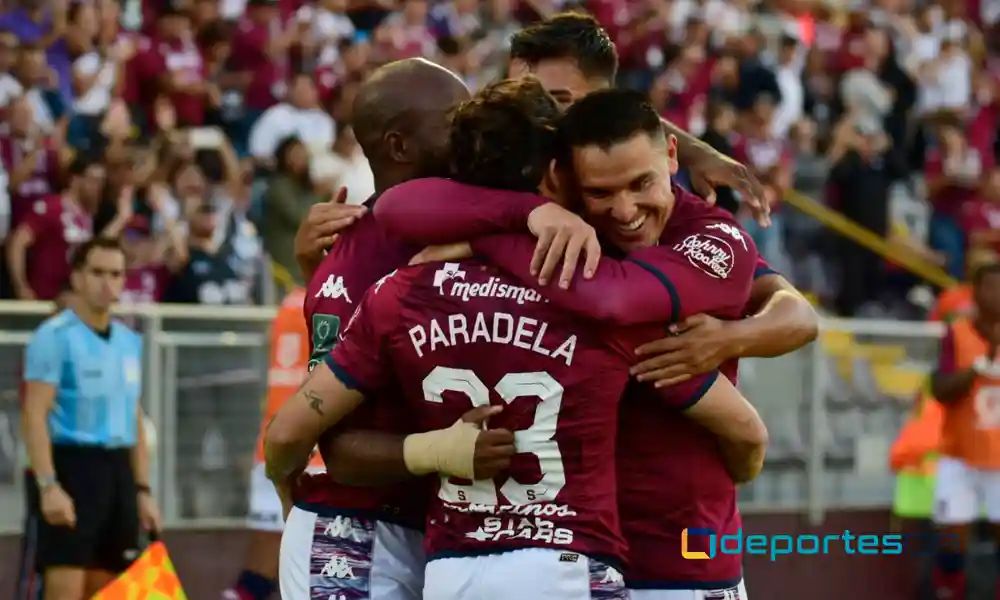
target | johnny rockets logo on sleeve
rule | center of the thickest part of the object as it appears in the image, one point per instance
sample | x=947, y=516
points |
x=709, y=253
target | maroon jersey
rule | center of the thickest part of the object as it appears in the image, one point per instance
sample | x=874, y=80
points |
x=361, y=256
x=58, y=225
x=250, y=54
x=459, y=335
x=704, y=263
x=179, y=58
x=42, y=182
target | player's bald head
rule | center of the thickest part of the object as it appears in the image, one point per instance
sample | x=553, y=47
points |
x=401, y=115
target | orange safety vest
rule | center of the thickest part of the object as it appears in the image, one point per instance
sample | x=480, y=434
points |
x=288, y=363
x=971, y=431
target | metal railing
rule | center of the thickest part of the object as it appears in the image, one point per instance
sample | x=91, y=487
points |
x=832, y=409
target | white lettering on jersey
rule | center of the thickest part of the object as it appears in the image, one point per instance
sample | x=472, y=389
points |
x=334, y=288
x=338, y=568
x=342, y=528
x=495, y=529
x=708, y=253
x=732, y=230
x=498, y=328
x=491, y=288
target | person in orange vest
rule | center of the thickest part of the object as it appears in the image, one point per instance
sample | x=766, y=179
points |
x=288, y=368
x=966, y=383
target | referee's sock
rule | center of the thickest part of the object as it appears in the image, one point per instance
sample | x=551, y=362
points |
x=253, y=586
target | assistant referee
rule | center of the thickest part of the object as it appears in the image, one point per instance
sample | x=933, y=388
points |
x=82, y=424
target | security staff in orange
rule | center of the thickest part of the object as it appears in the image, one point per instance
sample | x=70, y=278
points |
x=967, y=384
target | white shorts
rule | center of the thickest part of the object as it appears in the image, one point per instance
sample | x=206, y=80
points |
x=531, y=573
x=963, y=494
x=349, y=558
x=735, y=593
x=265, y=506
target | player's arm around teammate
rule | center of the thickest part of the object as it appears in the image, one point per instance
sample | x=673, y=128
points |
x=462, y=450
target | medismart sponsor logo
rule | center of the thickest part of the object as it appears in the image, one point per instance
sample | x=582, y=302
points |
x=704, y=544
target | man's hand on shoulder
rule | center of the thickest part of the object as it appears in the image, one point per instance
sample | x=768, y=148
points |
x=711, y=169
x=320, y=229
x=699, y=344
x=562, y=235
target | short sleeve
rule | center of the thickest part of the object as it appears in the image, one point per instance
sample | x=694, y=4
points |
x=686, y=394
x=37, y=219
x=763, y=269
x=706, y=267
x=946, y=355
x=360, y=360
x=43, y=357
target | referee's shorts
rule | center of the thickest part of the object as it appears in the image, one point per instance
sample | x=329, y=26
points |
x=101, y=483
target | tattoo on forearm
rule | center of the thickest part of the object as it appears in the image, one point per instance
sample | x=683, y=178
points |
x=315, y=402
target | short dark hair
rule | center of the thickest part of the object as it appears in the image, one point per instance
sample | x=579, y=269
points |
x=569, y=35
x=608, y=117
x=82, y=252
x=505, y=136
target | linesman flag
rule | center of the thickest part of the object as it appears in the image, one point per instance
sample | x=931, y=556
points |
x=151, y=577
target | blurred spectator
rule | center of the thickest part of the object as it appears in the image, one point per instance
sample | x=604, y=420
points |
x=862, y=175
x=721, y=124
x=345, y=167
x=789, y=76
x=39, y=249
x=300, y=116
x=209, y=276
x=290, y=193
x=31, y=162
x=953, y=172
x=981, y=216
x=862, y=92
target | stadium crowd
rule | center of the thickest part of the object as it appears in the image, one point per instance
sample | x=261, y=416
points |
x=202, y=131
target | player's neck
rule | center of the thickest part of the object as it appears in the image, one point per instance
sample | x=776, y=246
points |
x=387, y=178
x=96, y=320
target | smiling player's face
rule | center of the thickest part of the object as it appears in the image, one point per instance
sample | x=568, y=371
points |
x=625, y=189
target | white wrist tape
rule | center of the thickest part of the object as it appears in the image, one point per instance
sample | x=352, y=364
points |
x=450, y=451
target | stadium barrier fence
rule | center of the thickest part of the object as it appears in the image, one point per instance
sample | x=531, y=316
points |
x=832, y=408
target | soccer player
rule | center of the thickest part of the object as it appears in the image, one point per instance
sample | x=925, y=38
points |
x=90, y=466
x=400, y=120
x=696, y=248
x=967, y=384
x=447, y=334
x=289, y=357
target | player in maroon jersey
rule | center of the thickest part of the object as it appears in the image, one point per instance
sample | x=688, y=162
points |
x=400, y=121
x=51, y=229
x=443, y=331
x=698, y=251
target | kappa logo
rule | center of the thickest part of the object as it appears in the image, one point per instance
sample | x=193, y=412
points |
x=731, y=230
x=612, y=575
x=338, y=568
x=334, y=288
x=446, y=273
x=341, y=527
x=708, y=253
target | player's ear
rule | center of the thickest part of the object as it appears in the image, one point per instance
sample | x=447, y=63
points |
x=672, y=163
x=397, y=147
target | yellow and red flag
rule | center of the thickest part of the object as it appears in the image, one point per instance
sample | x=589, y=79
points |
x=151, y=577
